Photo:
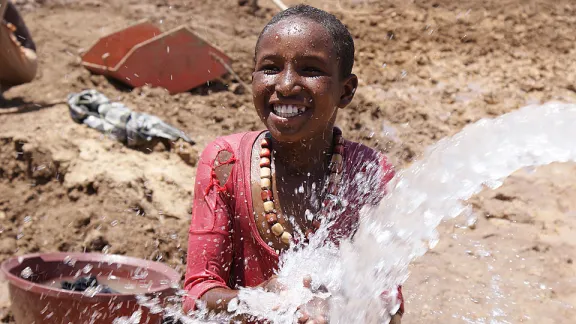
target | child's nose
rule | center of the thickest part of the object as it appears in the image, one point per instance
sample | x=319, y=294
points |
x=288, y=84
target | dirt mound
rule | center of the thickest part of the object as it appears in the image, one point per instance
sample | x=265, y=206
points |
x=426, y=68
x=69, y=190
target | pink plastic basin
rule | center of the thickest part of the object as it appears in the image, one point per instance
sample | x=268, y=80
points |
x=33, y=302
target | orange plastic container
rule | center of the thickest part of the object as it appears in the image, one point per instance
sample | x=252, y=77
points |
x=34, y=302
x=177, y=60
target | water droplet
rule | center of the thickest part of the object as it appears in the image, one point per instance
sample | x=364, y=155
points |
x=26, y=273
x=233, y=305
x=542, y=286
x=87, y=268
x=68, y=260
x=309, y=215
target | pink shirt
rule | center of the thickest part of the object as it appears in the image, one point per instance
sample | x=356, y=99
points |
x=224, y=247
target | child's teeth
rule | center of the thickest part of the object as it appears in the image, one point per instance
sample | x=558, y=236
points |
x=288, y=110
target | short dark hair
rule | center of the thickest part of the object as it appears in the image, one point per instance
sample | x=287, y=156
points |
x=341, y=38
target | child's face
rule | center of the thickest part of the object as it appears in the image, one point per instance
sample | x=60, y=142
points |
x=297, y=83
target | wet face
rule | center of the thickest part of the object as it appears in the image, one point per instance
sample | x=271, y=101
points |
x=297, y=84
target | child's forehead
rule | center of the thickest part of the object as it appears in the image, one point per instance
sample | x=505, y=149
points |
x=296, y=31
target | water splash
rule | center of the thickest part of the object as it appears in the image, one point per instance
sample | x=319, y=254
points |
x=403, y=226
x=361, y=276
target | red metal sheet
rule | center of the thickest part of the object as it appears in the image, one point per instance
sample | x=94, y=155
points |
x=177, y=60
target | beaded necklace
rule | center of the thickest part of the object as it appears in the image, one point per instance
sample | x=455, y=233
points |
x=330, y=187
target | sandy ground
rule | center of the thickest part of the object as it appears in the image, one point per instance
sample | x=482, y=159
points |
x=426, y=69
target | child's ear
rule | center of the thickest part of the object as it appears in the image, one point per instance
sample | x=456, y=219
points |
x=349, y=89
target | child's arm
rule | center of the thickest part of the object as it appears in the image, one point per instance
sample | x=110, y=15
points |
x=209, y=242
x=396, y=319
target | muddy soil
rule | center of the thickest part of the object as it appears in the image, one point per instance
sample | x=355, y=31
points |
x=426, y=68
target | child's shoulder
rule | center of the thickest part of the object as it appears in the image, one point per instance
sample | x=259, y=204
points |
x=232, y=143
x=362, y=157
x=361, y=152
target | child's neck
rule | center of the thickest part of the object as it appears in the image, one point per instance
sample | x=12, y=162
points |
x=302, y=158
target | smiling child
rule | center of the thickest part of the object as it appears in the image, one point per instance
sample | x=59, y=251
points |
x=259, y=192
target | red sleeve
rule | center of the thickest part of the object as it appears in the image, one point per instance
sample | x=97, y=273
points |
x=388, y=171
x=209, y=241
x=401, y=299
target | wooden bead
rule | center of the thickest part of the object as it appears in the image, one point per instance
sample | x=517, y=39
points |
x=264, y=143
x=265, y=183
x=336, y=159
x=332, y=188
x=336, y=177
x=271, y=219
x=338, y=168
x=265, y=173
x=268, y=206
x=264, y=162
x=266, y=195
x=277, y=229
x=264, y=152
x=286, y=238
x=316, y=224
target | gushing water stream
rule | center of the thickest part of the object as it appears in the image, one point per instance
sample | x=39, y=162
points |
x=403, y=226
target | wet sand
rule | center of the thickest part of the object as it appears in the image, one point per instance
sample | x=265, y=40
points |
x=426, y=69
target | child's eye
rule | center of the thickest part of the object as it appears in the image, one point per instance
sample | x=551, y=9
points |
x=312, y=71
x=269, y=69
